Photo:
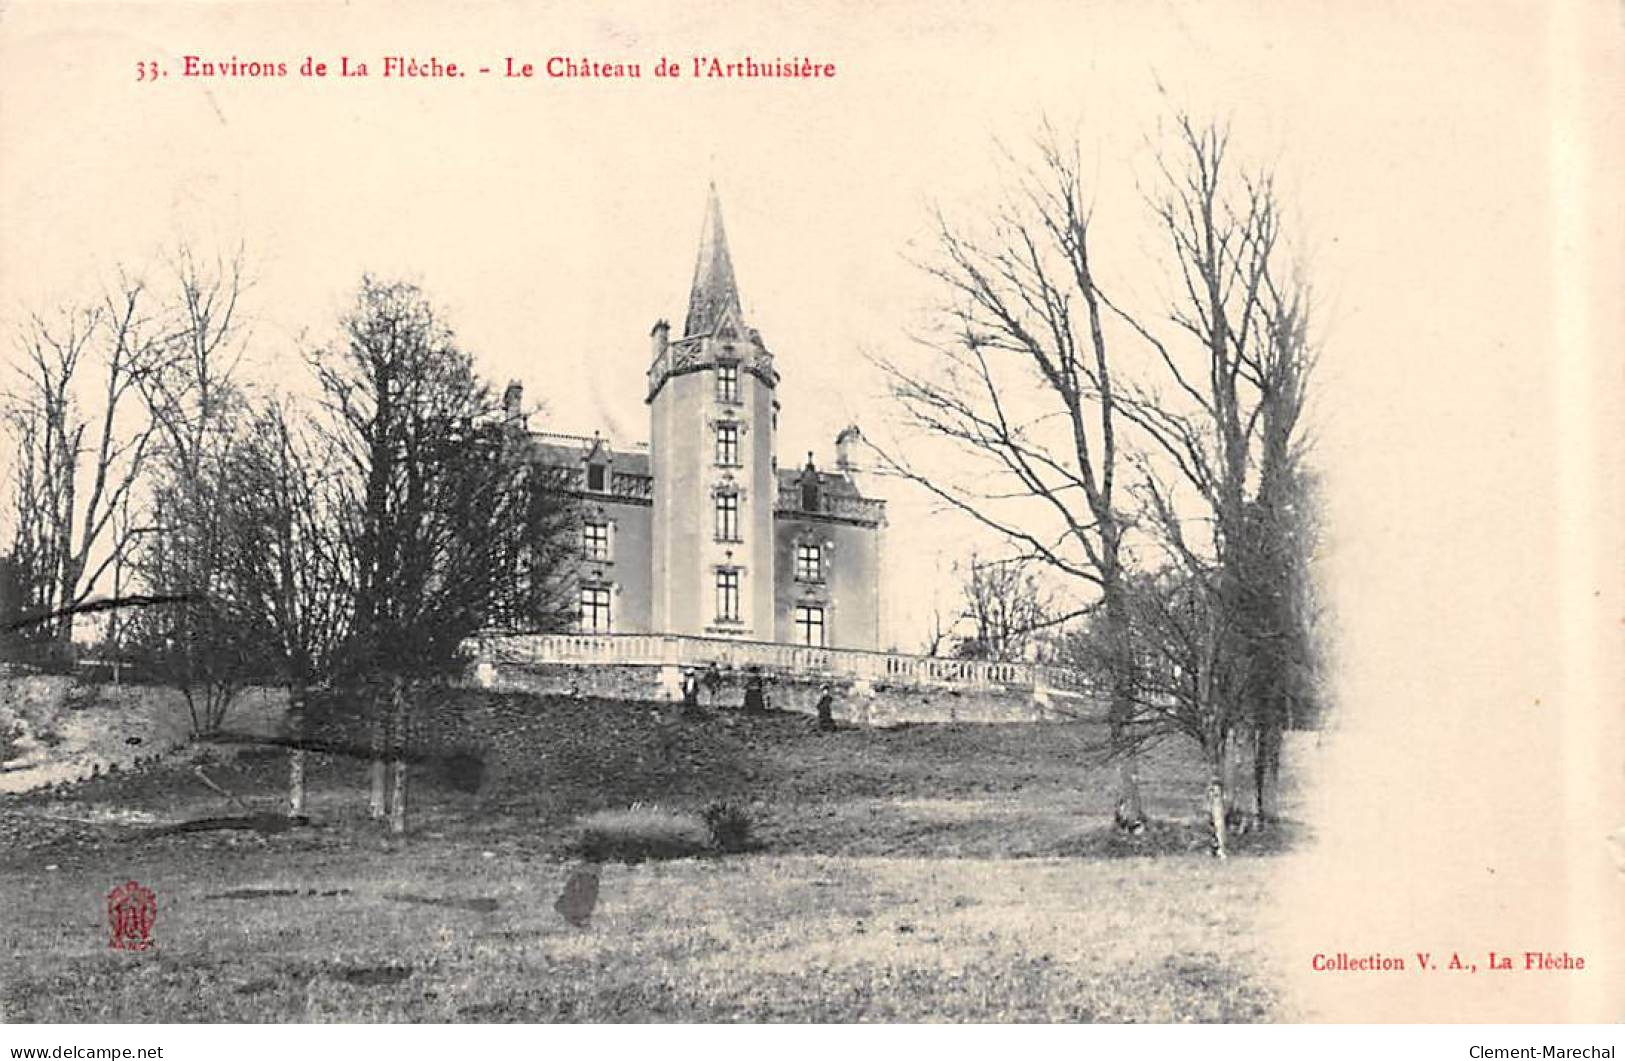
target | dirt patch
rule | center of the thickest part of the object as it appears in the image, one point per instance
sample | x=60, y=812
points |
x=259, y=823
x=276, y=893
x=255, y=987
x=373, y=975
x=477, y=905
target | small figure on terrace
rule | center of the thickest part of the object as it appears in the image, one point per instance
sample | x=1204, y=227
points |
x=826, y=709
x=755, y=699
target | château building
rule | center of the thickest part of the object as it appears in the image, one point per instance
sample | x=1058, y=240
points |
x=700, y=532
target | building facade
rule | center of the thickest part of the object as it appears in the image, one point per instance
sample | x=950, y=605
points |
x=700, y=532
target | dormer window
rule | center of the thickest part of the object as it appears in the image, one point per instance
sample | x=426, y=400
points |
x=597, y=477
x=809, y=483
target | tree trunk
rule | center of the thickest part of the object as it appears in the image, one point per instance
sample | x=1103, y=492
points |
x=378, y=805
x=296, y=752
x=71, y=572
x=1215, y=808
x=1130, y=815
x=1267, y=771
x=1233, y=772
x=400, y=712
x=1219, y=842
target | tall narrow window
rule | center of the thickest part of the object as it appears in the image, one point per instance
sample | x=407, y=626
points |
x=595, y=541
x=728, y=595
x=727, y=517
x=809, y=563
x=595, y=609
x=810, y=625
x=728, y=444
x=596, y=477
x=727, y=382
x=809, y=494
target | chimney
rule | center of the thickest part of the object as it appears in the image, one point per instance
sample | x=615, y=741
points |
x=512, y=400
x=657, y=338
x=845, y=443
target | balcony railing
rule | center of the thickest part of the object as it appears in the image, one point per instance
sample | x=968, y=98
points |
x=862, y=509
x=630, y=484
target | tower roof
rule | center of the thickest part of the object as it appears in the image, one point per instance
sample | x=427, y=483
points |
x=714, y=290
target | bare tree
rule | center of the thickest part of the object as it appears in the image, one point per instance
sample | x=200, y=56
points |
x=1283, y=534
x=1222, y=422
x=1061, y=394
x=444, y=499
x=198, y=412
x=81, y=437
x=1006, y=607
x=1021, y=379
x=290, y=565
x=936, y=635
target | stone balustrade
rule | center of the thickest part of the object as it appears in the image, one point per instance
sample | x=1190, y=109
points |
x=632, y=485
x=677, y=650
x=866, y=510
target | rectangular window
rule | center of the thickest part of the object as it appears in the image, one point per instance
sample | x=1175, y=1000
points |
x=728, y=444
x=728, y=596
x=595, y=541
x=596, y=478
x=810, y=625
x=727, y=517
x=727, y=383
x=809, y=563
x=595, y=609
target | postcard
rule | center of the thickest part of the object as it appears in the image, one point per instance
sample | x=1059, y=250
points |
x=829, y=513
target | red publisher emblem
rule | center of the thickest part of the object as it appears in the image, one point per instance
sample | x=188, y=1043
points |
x=131, y=910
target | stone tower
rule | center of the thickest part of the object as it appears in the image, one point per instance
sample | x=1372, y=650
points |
x=712, y=411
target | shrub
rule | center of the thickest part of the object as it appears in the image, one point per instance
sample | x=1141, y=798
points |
x=9, y=736
x=729, y=825
x=641, y=832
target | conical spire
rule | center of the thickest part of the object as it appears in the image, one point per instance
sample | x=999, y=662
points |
x=714, y=289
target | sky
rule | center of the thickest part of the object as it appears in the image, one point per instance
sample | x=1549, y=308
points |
x=555, y=221
x=1452, y=169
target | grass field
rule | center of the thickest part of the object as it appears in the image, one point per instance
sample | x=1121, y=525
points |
x=925, y=873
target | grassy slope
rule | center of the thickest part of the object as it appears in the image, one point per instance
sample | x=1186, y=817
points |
x=851, y=910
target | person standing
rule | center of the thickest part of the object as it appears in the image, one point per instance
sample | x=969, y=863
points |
x=826, y=709
x=691, y=693
x=755, y=701
x=713, y=683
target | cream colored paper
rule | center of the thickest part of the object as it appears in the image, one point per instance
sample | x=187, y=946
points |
x=1456, y=168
